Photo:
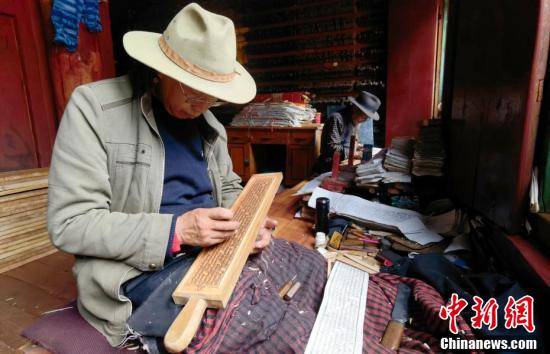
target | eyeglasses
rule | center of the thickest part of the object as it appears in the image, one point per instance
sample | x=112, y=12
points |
x=192, y=96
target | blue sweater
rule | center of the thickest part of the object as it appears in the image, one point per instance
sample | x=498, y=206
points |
x=186, y=181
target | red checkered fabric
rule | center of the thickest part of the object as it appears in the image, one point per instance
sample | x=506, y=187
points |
x=423, y=334
x=256, y=318
x=258, y=321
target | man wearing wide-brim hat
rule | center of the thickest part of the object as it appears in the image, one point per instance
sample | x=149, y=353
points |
x=340, y=125
x=141, y=179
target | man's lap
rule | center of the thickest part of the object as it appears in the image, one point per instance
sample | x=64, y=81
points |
x=256, y=318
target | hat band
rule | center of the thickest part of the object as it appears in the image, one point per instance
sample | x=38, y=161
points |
x=192, y=68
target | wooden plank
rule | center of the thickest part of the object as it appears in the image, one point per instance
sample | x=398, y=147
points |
x=15, y=220
x=19, y=256
x=27, y=258
x=23, y=186
x=212, y=277
x=22, y=195
x=11, y=177
x=20, y=229
x=19, y=241
x=18, y=206
x=31, y=245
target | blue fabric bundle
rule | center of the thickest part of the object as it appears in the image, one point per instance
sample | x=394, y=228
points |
x=67, y=16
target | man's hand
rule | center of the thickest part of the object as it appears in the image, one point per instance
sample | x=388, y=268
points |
x=205, y=227
x=264, y=235
x=358, y=154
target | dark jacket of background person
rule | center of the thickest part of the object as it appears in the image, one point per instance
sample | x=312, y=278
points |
x=335, y=137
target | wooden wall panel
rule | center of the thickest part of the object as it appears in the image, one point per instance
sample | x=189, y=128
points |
x=27, y=123
x=412, y=39
x=92, y=61
x=17, y=149
x=500, y=45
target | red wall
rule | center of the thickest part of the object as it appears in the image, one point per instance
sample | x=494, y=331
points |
x=412, y=31
x=27, y=121
x=92, y=61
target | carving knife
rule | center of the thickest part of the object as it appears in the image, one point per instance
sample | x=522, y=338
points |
x=399, y=316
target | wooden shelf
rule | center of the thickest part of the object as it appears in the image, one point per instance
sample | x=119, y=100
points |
x=326, y=66
x=306, y=82
x=292, y=8
x=268, y=38
x=355, y=14
x=336, y=94
x=307, y=36
x=308, y=51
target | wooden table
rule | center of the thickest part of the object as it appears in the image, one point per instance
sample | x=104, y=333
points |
x=283, y=209
x=253, y=149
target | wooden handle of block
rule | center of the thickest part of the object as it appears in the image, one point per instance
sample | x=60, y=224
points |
x=285, y=288
x=185, y=326
x=392, y=335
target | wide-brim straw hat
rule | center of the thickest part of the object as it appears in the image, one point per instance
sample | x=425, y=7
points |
x=198, y=48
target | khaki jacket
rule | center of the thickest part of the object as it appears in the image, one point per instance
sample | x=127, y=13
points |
x=105, y=189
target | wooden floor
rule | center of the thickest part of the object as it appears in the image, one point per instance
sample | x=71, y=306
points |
x=47, y=284
x=29, y=291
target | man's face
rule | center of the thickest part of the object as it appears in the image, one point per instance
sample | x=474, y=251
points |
x=182, y=101
x=358, y=116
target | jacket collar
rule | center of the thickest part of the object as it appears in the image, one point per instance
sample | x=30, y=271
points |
x=210, y=127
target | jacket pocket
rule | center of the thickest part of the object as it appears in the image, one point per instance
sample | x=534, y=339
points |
x=131, y=177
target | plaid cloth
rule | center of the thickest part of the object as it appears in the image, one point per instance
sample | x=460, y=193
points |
x=258, y=321
x=423, y=335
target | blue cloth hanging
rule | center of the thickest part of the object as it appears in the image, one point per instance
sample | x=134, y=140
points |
x=67, y=16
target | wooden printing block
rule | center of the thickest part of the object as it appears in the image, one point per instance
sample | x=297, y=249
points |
x=212, y=277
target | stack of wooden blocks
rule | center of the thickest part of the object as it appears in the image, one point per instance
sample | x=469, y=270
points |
x=23, y=233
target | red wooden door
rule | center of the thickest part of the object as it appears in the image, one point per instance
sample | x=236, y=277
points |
x=27, y=122
x=500, y=61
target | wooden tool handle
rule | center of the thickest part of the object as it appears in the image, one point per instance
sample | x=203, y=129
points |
x=292, y=291
x=351, y=153
x=185, y=326
x=392, y=335
x=285, y=288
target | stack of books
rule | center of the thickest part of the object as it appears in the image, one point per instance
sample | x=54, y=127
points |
x=429, y=154
x=398, y=157
x=283, y=114
x=370, y=173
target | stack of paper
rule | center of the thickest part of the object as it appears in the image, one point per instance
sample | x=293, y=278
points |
x=429, y=154
x=410, y=223
x=373, y=171
x=370, y=173
x=398, y=157
x=310, y=186
x=283, y=114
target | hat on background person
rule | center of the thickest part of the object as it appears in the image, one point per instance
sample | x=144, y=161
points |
x=199, y=49
x=368, y=103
